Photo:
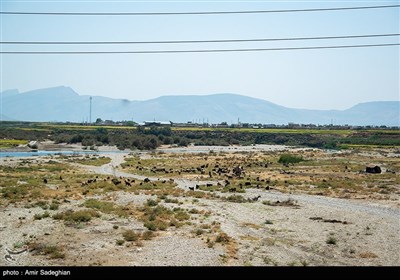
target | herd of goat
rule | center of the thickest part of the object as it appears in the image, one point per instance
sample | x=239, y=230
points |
x=236, y=172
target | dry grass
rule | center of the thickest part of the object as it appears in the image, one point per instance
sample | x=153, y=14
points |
x=320, y=173
x=251, y=225
x=367, y=255
x=336, y=175
x=53, y=251
x=107, y=207
x=76, y=216
x=90, y=160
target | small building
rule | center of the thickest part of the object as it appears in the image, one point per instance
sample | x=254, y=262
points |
x=33, y=145
x=157, y=123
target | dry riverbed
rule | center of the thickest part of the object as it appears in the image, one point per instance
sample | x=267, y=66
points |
x=175, y=207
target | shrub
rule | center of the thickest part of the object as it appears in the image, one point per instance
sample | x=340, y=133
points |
x=288, y=158
x=130, y=235
x=331, y=240
x=169, y=200
x=222, y=238
x=120, y=242
x=151, y=202
x=42, y=216
x=161, y=225
x=236, y=198
x=78, y=216
x=181, y=216
x=147, y=235
x=199, y=231
x=54, y=206
x=14, y=192
x=105, y=207
x=150, y=226
x=84, y=215
x=194, y=211
x=174, y=223
x=41, y=204
x=54, y=251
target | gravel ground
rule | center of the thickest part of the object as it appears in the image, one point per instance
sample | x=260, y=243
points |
x=317, y=231
x=369, y=237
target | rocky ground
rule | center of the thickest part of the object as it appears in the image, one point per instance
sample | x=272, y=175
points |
x=268, y=227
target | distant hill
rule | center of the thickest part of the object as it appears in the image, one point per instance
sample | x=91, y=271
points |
x=64, y=104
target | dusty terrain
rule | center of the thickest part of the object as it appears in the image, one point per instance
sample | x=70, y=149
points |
x=186, y=207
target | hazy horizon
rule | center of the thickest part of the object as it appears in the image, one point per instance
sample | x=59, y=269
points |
x=308, y=79
x=188, y=95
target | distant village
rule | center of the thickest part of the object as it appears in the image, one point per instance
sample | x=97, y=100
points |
x=290, y=125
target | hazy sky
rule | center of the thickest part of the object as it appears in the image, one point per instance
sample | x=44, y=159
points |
x=314, y=79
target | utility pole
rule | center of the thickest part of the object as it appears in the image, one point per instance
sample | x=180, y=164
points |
x=90, y=110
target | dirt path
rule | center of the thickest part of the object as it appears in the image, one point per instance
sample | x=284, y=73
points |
x=117, y=159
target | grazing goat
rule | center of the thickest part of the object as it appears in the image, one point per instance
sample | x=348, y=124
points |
x=256, y=198
x=374, y=170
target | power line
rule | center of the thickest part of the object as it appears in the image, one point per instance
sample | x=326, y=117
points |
x=193, y=41
x=198, y=51
x=195, y=13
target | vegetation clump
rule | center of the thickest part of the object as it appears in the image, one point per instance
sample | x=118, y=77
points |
x=130, y=235
x=53, y=251
x=76, y=216
x=288, y=158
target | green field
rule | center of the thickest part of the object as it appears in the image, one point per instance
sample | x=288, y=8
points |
x=149, y=138
x=8, y=143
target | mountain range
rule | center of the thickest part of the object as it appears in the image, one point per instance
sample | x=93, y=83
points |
x=64, y=104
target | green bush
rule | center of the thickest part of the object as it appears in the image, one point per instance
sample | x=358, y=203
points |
x=14, y=192
x=41, y=216
x=236, y=198
x=199, y=231
x=288, y=158
x=331, y=240
x=222, y=238
x=130, y=235
x=156, y=225
x=151, y=202
x=53, y=251
x=120, y=242
x=105, y=207
x=147, y=235
x=150, y=226
x=54, y=206
x=181, y=215
x=78, y=216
